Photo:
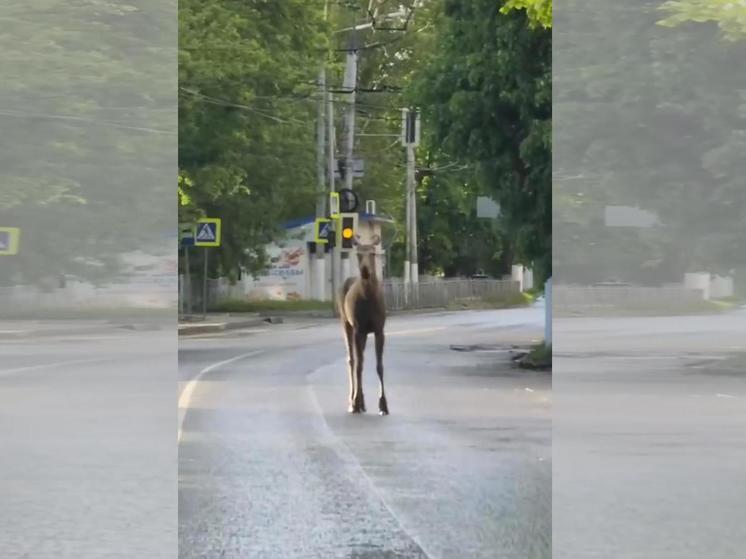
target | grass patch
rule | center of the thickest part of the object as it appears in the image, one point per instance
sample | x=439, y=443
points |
x=540, y=357
x=535, y=292
x=513, y=300
x=241, y=306
x=118, y=313
x=699, y=308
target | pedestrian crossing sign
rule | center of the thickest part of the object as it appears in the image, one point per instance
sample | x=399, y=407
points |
x=9, y=237
x=323, y=230
x=208, y=232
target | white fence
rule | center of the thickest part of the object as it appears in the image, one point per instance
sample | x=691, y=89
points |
x=439, y=293
x=568, y=299
x=443, y=293
x=77, y=296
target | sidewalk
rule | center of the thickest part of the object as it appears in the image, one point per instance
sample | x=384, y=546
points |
x=197, y=324
x=19, y=329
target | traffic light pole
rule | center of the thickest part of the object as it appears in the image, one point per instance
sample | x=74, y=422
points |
x=350, y=85
x=204, y=285
x=187, y=281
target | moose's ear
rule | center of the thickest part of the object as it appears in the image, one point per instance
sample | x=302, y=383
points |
x=376, y=240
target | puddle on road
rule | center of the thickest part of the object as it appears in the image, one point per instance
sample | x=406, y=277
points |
x=733, y=365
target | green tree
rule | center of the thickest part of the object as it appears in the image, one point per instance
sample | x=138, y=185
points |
x=650, y=117
x=730, y=15
x=246, y=117
x=87, y=108
x=486, y=93
x=539, y=12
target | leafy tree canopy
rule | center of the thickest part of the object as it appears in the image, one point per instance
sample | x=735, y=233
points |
x=730, y=15
x=539, y=12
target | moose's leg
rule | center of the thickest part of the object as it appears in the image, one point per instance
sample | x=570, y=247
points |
x=359, y=401
x=350, y=341
x=383, y=406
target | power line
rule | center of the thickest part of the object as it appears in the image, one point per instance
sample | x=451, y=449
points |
x=87, y=120
x=227, y=103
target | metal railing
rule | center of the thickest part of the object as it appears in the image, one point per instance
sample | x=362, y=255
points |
x=446, y=292
x=428, y=294
x=582, y=299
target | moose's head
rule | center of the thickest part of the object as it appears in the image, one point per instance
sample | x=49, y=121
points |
x=366, y=256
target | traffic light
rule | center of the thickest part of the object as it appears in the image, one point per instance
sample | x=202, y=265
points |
x=347, y=231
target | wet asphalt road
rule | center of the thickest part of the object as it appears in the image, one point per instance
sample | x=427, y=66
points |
x=649, y=424
x=272, y=466
x=87, y=451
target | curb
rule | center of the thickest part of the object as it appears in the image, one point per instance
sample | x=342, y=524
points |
x=52, y=332
x=298, y=314
x=194, y=329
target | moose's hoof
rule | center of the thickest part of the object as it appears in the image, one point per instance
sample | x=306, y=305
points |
x=383, y=407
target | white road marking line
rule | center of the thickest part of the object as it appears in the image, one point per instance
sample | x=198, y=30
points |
x=4, y=372
x=186, y=394
x=348, y=457
x=724, y=396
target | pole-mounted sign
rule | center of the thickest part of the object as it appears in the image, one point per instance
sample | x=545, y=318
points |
x=9, y=240
x=348, y=200
x=187, y=234
x=323, y=230
x=334, y=205
x=208, y=232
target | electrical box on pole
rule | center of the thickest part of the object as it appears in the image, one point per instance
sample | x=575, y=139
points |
x=410, y=133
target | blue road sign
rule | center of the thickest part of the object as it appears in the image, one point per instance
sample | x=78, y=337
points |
x=208, y=232
x=186, y=235
x=9, y=240
x=323, y=230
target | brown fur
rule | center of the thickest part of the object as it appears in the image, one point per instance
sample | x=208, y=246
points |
x=363, y=311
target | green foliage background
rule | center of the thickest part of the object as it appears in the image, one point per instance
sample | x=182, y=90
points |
x=87, y=101
x=648, y=116
x=247, y=124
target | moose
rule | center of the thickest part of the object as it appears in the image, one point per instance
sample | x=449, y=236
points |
x=362, y=310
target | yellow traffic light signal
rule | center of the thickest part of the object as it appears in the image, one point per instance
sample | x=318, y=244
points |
x=347, y=231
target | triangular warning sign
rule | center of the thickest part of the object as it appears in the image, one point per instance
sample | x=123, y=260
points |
x=205, y=233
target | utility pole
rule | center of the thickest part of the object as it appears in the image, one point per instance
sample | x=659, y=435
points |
x=414, y=273
x=410, y=140
x=408, y=247
x=330, y=141
x=318, y=262
x=320, y=145
x=350, y=84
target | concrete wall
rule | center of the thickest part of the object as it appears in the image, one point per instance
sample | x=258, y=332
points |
x=524, y=276
x=712, y=286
